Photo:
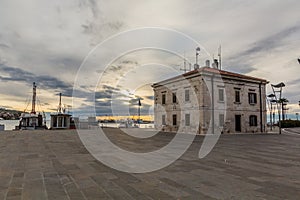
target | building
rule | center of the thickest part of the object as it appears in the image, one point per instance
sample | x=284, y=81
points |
x=60, y=119
x=208, y=100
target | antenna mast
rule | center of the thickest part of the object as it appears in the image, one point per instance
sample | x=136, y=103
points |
x=33, y=98
x=219, y=54
x=184, y=64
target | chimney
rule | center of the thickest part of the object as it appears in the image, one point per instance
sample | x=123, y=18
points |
x=207, y=63
x=215, y=64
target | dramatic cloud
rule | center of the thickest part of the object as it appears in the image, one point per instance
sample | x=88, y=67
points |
x=47, y=42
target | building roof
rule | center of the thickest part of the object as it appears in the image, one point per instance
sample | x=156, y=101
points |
x=209, y=70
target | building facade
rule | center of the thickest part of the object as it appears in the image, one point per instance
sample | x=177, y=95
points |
x=208, y=100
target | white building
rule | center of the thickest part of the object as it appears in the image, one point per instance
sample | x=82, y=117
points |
x=208, y=100
x=60, y=119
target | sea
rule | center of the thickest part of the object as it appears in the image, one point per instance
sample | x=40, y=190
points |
x=11, y=124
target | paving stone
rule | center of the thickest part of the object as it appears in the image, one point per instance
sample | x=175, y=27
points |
x=55, y=165
x=34, y=190
x=73, y=192
x=95, y=193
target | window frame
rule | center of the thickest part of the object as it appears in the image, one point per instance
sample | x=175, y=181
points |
x=221, y=122
x=252, y=120
x=187, y=122
x=186, y=95
x=163, y=98
x=253, y=100
x=237, y=100
x=163, y=120
x=174, y=120
x=219, y=96
x=174, y=97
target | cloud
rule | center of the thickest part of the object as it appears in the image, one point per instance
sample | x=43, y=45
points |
x=47, y=41
x=4, y=46
x=245, y=60
x=150, y=97
x=13, y=74
x=269, y=43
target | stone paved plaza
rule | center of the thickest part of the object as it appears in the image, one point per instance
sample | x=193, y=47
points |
x=55, y=165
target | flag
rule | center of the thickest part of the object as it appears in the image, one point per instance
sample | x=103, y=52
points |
x=140, y=102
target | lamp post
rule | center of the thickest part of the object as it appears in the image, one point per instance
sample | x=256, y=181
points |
x=278, y=89
x=139, y=110
x=271, y=100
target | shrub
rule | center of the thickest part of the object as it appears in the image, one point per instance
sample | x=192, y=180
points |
x=290, y=123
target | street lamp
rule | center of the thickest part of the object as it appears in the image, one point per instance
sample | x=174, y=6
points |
x=278, y=89
x=139, y=109
x=271, y=100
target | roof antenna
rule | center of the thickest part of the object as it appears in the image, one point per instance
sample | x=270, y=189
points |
x=184, y=64
x=219, y=54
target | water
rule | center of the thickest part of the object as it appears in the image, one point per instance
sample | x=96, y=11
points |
x=115, y=125
x=11, y=124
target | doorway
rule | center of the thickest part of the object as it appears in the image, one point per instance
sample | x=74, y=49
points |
x=238, y=125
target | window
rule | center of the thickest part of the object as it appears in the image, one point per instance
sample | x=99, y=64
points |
x=174, y=98
x=163, y=99
x=253, y=120
x=221, y=120
x=252, y=98
x=221, y=94
x=237, y=96
x=163, y=119
x=174, y=120
x=187, y=95
x=187, y=119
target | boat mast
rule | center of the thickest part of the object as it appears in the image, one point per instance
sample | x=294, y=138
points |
x=33, y=98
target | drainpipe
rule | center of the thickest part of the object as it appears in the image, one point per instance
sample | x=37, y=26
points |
x=260, y=108
x=212, y=104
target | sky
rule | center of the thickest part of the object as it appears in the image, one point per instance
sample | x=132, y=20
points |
x=72, y=44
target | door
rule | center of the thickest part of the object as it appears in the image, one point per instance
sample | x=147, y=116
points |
x=238, y=125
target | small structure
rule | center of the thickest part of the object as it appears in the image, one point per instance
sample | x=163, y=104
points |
x=32, y=120
x=60, y=120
